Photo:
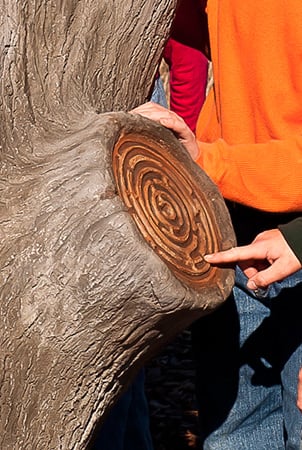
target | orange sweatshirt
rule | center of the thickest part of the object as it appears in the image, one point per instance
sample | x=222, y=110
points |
x=250, y=128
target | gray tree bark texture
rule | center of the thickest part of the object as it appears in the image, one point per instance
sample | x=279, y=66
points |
x=103, y=217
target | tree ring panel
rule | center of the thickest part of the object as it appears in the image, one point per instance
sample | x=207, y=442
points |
x=167, y=204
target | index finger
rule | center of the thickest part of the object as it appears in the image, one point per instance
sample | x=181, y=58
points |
x=236, y=254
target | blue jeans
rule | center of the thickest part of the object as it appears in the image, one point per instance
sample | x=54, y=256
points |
x=158, y=94
x=248, y=354
x=127, y=426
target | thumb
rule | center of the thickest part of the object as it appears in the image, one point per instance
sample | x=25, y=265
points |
x=265, y=277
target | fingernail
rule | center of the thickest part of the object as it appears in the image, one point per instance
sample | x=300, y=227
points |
x=252, y=285
x=164, y=121
x=258, y=291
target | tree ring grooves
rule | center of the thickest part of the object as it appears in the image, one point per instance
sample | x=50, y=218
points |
x=168, y=206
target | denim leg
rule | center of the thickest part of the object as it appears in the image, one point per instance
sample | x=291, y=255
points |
x=138, y=435
x=158, y=94
x=127, y=425
x=111, y=435
x=292, y=415
x=290, y=338
x=241, y=350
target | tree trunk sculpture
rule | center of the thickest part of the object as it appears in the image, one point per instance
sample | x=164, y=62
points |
x=104, y=217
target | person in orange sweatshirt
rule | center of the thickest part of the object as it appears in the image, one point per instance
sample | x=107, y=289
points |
x=249, y=141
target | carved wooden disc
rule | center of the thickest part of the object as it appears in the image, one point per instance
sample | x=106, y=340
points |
x=171, y=211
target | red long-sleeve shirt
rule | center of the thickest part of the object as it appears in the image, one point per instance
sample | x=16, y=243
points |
x=188, y=68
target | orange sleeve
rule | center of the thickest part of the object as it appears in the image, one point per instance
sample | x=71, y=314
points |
x=265, y=176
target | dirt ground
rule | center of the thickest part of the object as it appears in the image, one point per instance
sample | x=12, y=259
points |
x=171, y=394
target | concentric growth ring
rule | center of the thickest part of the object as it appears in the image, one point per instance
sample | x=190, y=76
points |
x=168, y=207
